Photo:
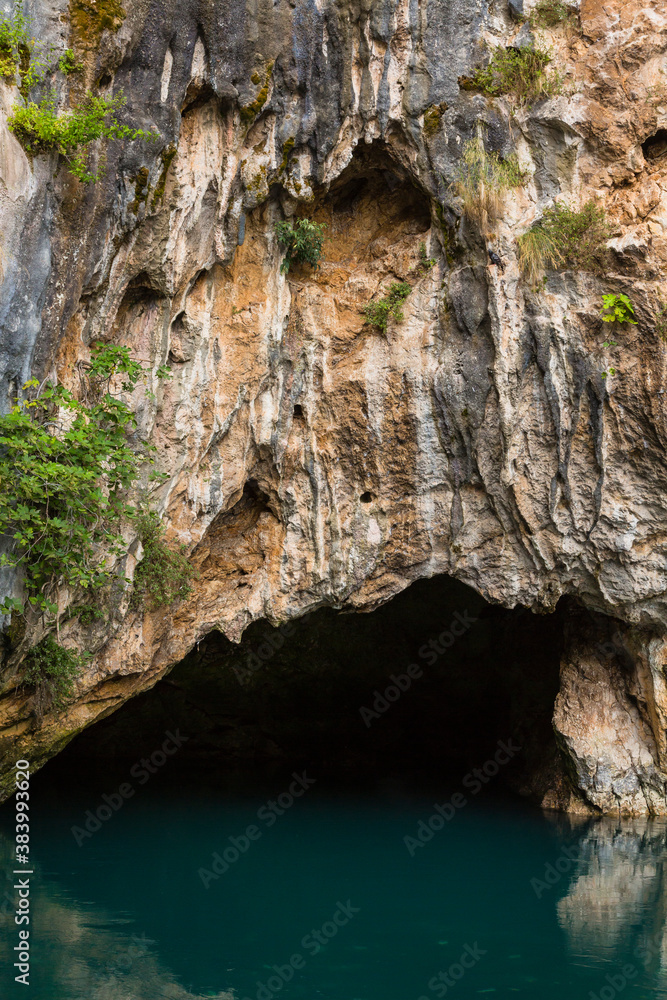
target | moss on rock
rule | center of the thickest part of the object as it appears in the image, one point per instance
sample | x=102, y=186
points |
x=167, y=156
x=250, y=111
x=140, y=190
x=89, y=18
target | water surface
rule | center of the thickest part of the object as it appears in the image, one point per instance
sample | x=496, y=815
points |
x=537, y=907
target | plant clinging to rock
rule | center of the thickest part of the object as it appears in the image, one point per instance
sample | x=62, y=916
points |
x=41, y=129
x=66, y=469
x=15, y=43
x=617, y=309
x=51, y=670
x=164, y=575
x=563, y=239
x=552, y=14
x=377, y=313
x=482, y=180
x=68, y=63
x=301, y=243
x=519, y=73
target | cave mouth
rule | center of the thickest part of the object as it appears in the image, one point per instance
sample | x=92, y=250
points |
x=655, y=147
x=423, y=687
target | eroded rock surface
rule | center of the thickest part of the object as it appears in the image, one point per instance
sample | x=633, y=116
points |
x=312, y=459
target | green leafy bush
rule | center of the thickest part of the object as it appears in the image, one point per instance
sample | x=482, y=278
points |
x=164, y=575
x=520, y=73
x=18, y=50
x=425, y=262
x=552, y=14
x=482, y=179
x=51, y=670
x=565, y=239
x=301, y=243
x=377, y=313
x=66, y=467
x=41, y=129
x=14, y=43
x=617, y=309
x=68, y=63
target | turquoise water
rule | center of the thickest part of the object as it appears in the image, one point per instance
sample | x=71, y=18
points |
x=126, y=915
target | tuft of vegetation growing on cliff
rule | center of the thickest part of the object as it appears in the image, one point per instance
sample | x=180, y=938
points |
x=164, y=575
x=552, y=14
x=51, y=671
x=20, y=52
x=519, y=73
x=564, y=239
x=68, y=63
x=41, y=129
x=617, y=309
x=301, y=243
x=15, y=43
x=66, y=468
x=378, y=313
x=482, y=180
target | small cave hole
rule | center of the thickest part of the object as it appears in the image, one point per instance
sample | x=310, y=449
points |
x=366, y=497
x=298, y=410
x=655, y=147
x=104, y=81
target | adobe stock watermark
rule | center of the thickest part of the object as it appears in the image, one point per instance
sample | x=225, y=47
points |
x=268, y=814
x=474, y=781
x=260, y=654
x=142, y=771
x=312, y=943
x=615, y=983
x=445, y=980
x=430, y=652
x=554, y=871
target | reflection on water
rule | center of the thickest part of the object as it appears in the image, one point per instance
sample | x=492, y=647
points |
x=616, y=903
x=125, y=917
x=79, y=951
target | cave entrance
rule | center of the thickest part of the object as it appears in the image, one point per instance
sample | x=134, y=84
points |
x=424, y=686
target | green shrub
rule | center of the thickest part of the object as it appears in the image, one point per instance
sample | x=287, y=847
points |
x=68, y=63
x=377, y=313
x=14, y=42
x=552, y=14
x=482, y=179
x=41, y=129
x=565, y=239
x=66, y=467
x=51, y=670
x=164, y=575
x=301, y=243
x=519, y=73
x=425, y=262
x=617, y=309
x=17, y=48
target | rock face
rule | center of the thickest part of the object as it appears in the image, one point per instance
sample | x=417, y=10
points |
x=312, y=459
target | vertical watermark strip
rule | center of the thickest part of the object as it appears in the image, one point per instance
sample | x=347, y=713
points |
x=22, y=884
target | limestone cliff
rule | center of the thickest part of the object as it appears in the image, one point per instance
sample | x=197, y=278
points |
x=313, y=460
